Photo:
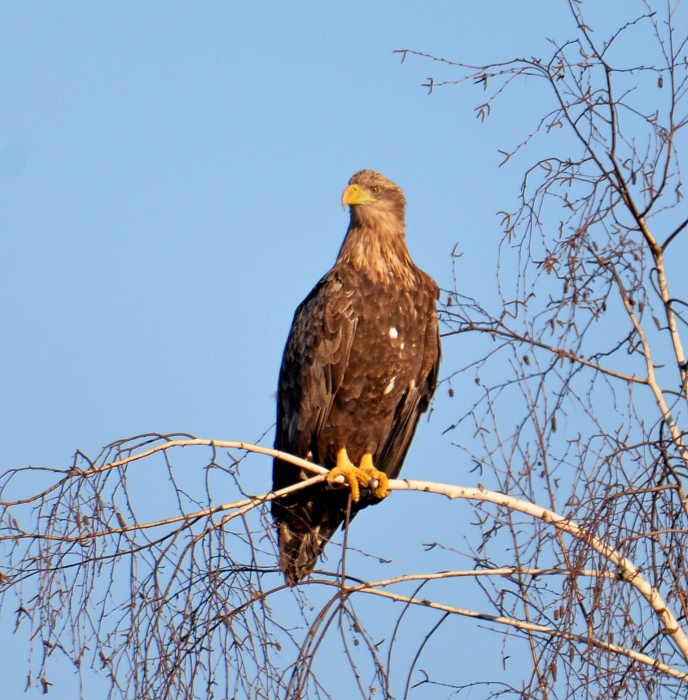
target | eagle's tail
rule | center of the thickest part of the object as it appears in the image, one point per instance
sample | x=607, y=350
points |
x=300, y=549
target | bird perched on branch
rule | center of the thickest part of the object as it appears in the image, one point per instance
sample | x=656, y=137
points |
x=359, y=368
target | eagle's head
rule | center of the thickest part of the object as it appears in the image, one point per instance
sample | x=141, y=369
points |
x=375, y=242
x=372, y=197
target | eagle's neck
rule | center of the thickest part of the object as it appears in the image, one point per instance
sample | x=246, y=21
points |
x=377, y=249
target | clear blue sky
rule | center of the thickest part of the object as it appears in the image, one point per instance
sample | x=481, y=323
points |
x=170, y=179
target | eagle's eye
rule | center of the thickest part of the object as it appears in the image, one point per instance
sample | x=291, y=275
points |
x=375, y=189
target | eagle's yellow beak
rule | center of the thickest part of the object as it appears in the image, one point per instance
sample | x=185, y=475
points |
x=353, y=194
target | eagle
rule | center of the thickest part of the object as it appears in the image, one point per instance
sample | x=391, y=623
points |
x=359, y=368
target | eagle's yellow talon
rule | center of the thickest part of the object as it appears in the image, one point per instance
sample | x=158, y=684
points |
x=354, y=476
x=364, y=475
x=382, y=488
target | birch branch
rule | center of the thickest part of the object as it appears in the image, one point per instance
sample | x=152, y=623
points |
x=626, y=570
x=518, y=624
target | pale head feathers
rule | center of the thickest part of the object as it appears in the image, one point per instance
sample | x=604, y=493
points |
x=375, y=242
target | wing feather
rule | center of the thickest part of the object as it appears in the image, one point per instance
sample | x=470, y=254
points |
x=313, y=368
x=415, y=400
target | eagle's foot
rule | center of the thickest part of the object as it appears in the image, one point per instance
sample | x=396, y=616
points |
x=377, y=479
x=354, y=476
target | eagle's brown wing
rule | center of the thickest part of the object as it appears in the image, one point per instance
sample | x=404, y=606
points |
x=313, y=366
x=416, y=399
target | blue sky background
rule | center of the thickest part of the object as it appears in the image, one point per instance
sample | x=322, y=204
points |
x=170, y=179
